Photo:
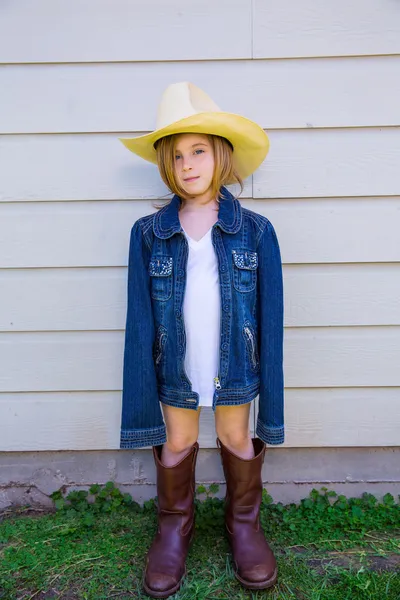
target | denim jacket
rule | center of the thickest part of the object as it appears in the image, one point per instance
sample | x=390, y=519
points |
x=251, y=336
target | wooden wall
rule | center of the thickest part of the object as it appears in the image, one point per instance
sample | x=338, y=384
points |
x=322, y=78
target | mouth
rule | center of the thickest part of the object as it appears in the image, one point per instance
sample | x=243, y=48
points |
x=190, y=179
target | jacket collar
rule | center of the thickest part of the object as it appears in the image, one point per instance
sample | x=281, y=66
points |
x=166, y=221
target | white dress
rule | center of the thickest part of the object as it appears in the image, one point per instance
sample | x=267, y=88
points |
x=202, y=314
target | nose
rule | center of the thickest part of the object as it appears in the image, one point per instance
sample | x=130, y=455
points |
x=186, y=164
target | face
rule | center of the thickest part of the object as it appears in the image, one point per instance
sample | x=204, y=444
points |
x=194, y=162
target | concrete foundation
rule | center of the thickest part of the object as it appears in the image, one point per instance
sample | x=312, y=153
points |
x=28, y=478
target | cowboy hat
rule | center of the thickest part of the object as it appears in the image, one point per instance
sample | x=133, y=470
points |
x=185, y=108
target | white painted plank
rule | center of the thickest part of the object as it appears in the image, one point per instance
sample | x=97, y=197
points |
x=91, y=421
x=340, y=295
x=96, y=234
x=63, y=299
x=314, y=357
x=62, y=421
x=276, y=94
x=77, y=167
x=301, y=163
x=284, y=29
x=324, y=417
x=335, y=162
x=77, y=420
x=95, y=299
x=319, y=230
x=68, y=234
x=330, y=28
x=67, y=361
x=342, y=356
x=121, y=30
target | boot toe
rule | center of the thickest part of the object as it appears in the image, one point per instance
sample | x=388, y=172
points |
x=160, y=582
x=257, y=574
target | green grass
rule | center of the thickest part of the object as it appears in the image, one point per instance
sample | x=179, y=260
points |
x=327, y=548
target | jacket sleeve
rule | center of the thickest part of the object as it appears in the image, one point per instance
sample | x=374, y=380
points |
x=142, y=422
x=270, y=420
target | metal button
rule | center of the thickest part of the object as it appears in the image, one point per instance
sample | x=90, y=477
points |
x=225, y=346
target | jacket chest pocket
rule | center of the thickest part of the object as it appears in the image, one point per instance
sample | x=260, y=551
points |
x=160, y=271
x=245, y=265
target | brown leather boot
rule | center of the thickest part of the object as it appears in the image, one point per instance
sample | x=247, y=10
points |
x=165, y=561
x=255, y=564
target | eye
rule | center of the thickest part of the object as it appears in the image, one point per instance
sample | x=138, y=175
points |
x=199, y=150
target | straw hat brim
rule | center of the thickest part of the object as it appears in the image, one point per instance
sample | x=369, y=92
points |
x=249, y=140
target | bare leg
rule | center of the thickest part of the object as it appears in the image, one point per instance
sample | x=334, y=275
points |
x=232, y=426
x=182, y=432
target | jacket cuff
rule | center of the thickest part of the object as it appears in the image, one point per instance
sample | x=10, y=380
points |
x=270, y=435
x=139, y=438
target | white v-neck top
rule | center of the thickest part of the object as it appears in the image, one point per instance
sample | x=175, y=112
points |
x=202, y=314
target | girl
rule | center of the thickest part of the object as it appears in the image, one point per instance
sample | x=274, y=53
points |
x=204, y=327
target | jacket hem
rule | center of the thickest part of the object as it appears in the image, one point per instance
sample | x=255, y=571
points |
x=177, y=397
x=139, y=438
x=225, y=397
x=270, y=435
x=194, y=405
x=238, y=395
x=237, y=402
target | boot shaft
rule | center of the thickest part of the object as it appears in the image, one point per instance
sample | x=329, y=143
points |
x=176, y=484
x=243, y=484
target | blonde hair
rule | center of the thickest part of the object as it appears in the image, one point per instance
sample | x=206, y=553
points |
x=224, y=170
